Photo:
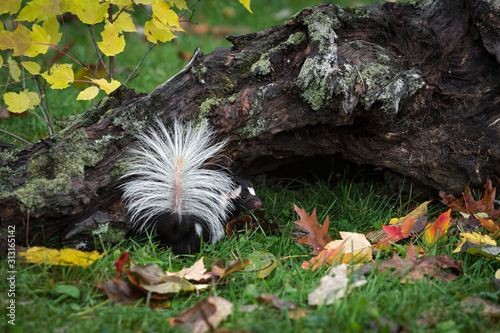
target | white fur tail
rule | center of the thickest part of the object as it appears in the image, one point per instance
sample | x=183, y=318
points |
x=167, y=173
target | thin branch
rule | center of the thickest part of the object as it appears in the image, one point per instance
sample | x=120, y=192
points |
x=189, y=9
x=139, y=64
x=101, y=60
x=44, y=109
x=15, y=137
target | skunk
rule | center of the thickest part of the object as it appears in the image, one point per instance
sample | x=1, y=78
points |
x=169, y=187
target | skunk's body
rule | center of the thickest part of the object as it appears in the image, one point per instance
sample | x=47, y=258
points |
x=170, y=188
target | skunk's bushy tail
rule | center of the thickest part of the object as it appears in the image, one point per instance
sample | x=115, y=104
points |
x=167, y=174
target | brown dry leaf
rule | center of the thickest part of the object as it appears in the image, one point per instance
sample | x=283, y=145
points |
x=419, y=214
x=197, y=272
x=275, y=302
x=234, y=266
x=472, y=303
x=468, y=205
x=120, y=292
x=332, y=288
x=411, y=269
x=204, y=316
x=318, y=235
x=248, y=223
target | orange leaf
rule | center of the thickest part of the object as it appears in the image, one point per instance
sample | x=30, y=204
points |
x=318, y=235
x=438, y=229
x=325, y=258
x=396, y=233
x=490, y=226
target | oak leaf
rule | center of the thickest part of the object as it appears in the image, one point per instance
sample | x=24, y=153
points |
x=318, y=235
x=204, y=316
x=468, y=205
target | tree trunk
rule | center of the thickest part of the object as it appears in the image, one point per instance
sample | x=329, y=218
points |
x=414, y=89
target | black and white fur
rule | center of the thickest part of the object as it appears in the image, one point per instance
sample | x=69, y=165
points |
x=170, y=189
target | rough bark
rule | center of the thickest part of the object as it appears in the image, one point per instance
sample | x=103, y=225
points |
x=414, y=89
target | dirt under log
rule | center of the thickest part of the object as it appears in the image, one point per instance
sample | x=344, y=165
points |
x=414, y=89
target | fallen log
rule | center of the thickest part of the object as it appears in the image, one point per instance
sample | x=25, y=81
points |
x=413, y=89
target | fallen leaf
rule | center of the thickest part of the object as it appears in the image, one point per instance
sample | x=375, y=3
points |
x=248, y=223
x=318, y=235
x=204, y=316
x=474, y=303
x=468, y=205
x=473, y=243
x=411, y=268
x=234, y=266
x=64, y=257
x=262, y=263
x=197, y=272
x=395, y=233
x=324, y=258
x=120, y=292
x=419, y=214
x=437, y=230
x=275, y=302
x=355, y=247
x=490, y=226
x=333, y=288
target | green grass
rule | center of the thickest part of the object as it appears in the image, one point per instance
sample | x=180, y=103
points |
x=353, y=205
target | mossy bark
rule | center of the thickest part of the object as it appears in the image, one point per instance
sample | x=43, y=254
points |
x=411, y=88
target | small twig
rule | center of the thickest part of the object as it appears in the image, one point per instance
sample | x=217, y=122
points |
x=27, y=225
x=48, y=118
x=139, y=64
x=15, y=137
x=101, y=60
x=189, y=9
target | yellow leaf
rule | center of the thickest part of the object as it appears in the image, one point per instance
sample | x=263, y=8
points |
x=10, y=6
x=19, y=40
x=40, y=41
x=90, y=11
x=124, y=23
x=356, y=248
x=33, y=98
x=88, y=93
x=64, y=257
x=58, y=7
x=108, y=87
x=51, y=25
x=1, y=61
x=246, y=3
x=122, y=3
x=14, y=70
x=17, y=103
x=475, y=238
x=112, y=43
x=394, y=220
x=32, y=67
x=162, y=11
x=60, y=76
x=181, y=4
x=33, y=11
x=146, y=2
x=154, y=33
